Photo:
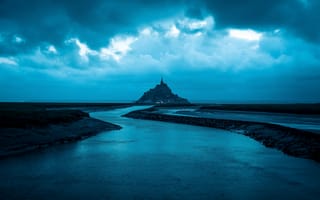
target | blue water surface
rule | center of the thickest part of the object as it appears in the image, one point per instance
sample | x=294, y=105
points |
x=158, y=160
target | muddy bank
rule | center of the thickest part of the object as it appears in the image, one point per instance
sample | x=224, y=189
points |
x=291, y=141
x=27, y=130
x=304, y=109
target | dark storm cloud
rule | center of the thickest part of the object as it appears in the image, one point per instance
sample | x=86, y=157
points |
x=93, y=21
x=35, y=21
x=298, y=16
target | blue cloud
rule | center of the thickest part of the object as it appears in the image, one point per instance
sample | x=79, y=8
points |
x=215, y=50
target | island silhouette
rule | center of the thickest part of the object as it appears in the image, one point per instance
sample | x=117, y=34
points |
x=161, y=94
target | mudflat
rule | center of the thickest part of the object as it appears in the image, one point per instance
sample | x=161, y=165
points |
x=26, y=127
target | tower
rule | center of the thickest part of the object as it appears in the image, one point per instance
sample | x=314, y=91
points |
x=161, y=82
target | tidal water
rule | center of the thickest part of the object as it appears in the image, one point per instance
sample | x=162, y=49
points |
x=158, y=160
x=305, y=122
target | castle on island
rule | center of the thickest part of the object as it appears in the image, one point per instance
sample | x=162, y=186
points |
x=161, y=94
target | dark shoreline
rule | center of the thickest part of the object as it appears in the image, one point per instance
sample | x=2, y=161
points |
x=299, y=108
x=42, y=137
x=24, y=129
x=36, y=106
x=290, y=141
x=290, y=108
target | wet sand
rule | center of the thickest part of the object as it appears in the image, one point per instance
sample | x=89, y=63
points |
x=24, y=130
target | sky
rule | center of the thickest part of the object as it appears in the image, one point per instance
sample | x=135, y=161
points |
x=222, y=51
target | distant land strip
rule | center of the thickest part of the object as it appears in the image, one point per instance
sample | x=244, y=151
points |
x=299, y=108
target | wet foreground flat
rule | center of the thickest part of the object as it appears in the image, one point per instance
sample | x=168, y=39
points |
x=157, y=160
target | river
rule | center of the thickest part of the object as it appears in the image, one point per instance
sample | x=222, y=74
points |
x=158, y=160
